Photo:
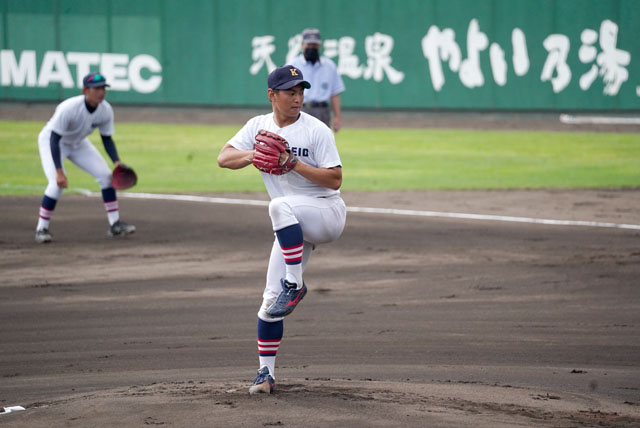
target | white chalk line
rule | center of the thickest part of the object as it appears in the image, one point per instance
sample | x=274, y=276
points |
x=598, y=120
x=389, y=211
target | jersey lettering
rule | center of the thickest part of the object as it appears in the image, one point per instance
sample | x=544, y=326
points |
x=299, y=151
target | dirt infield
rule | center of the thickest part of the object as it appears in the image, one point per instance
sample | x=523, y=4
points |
x=409, y=321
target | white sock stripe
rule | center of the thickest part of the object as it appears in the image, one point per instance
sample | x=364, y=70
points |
x=45, y=213
x=111, y=206
x=291, y=253
x=268, y=342
x=268, y=348
x=293, y=249
x=272, y=348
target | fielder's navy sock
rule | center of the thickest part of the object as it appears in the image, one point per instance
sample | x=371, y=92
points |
x=291, y=243
x=46, y=210
x=111, y=204
x=49, y=203
x=269, y=338
x=109, y=194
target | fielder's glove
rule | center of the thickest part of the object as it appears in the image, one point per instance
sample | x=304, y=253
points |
x=267, y=158
x=123, y=177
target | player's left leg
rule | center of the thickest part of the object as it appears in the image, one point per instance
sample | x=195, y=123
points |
x=270, y=329
x=87, y=157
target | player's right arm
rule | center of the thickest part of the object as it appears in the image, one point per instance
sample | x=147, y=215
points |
x=232, y=158
x=238, y=152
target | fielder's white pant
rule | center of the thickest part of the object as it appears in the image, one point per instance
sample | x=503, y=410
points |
x=322, y=220
x=84, y=154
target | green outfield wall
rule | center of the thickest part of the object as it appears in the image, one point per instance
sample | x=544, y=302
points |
x=415, y=54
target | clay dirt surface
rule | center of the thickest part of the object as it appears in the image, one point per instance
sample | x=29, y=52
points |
x=409, y=321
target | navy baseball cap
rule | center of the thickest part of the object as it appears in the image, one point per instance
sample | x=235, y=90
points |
x=286, y=77
x=94, y=80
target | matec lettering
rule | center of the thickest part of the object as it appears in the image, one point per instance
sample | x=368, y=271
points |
x=123, y=73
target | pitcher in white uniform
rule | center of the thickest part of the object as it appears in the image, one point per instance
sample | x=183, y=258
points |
x=65, y=137
x=306, y=208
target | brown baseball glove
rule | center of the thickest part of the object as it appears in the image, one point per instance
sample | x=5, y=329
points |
x=273, y=154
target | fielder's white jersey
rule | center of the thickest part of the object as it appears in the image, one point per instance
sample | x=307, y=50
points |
x=311, y=141
x=74, y=122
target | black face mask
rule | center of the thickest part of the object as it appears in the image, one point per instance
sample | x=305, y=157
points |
x=312, y=55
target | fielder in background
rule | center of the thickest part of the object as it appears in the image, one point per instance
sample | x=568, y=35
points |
x=303, y=181
x=322, y=74
x=65, y=137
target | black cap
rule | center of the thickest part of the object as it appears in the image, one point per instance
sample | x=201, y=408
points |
x=94, y=80
x=286, y=77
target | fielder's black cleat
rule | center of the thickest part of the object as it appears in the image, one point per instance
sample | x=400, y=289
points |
x=120, y=228
x=288, y=299
x=43, y=236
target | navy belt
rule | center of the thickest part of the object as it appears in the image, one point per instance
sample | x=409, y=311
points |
x=316, y=104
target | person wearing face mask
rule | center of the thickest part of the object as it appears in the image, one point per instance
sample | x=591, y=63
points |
x=326, y=84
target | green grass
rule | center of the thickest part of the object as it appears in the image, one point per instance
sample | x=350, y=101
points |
x=182, y=159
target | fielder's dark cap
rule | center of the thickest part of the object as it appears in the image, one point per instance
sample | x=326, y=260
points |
x=311, y=35
x=286, y=77
x=94, y=80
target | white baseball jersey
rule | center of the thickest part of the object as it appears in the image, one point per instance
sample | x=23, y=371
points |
x=74, y=123
x=310, y=140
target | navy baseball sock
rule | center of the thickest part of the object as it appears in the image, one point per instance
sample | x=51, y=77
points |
x=269, y=337
x=46, y=210
x=111, y=204
x=291, y=244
